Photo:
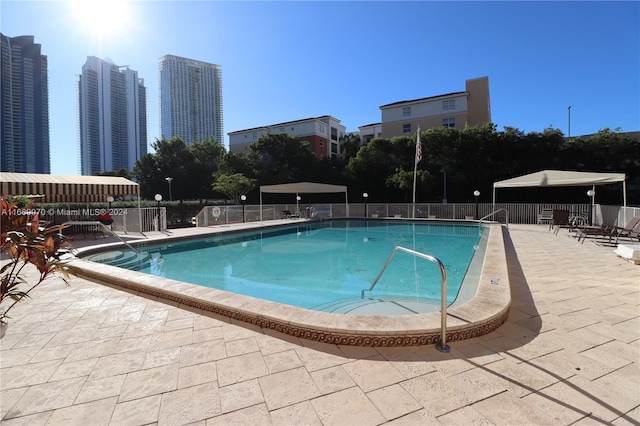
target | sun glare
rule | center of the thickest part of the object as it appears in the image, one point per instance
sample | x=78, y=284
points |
x=101, y=18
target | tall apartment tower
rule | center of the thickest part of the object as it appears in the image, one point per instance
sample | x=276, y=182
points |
x=190, y=99
x=113, y=117
x=24, y=106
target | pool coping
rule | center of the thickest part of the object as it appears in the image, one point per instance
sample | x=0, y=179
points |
x=483, y=313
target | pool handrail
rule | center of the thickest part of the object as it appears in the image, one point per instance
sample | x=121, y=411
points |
x=442, y=345
x=98, y=223
x=497, y=211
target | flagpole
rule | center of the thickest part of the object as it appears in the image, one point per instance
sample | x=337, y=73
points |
x=415, y=170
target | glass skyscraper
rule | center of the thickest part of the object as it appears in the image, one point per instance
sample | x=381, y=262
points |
x=24, y=106
x=113, y=117
x=190, y=99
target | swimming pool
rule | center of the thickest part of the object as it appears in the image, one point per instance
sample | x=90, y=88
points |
x=324, y=265
x=477, y=310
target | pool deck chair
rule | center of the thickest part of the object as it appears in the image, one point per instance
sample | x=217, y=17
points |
x=609, y=231
x=560, y=219
x=632, y=233
x=545, y=216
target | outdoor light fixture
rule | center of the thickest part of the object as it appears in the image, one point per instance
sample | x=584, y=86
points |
x=365, y=196
x=158, y=198
x=591, y=193
x=476, y=194
x=444, y=195
x=298, y=203
x=109, y=201
x=243, y=198
x=169, y=179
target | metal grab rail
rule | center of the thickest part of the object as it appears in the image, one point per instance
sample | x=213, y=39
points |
x=442, y=346
x=97, y=223
x=497, y=211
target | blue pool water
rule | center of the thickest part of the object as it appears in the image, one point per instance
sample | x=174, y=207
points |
x=316, y=265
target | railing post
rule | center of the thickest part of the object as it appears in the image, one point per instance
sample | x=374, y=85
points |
x=442, y=345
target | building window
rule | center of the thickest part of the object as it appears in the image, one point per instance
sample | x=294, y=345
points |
x=449, y=122
x=449, y=105
x=321, y=143
x=281, y=129
x=334, y=134
x=254, y=135
x=406, y=128
x=406, y=111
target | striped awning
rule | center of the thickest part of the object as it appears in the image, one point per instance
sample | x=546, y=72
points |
x=67, y=189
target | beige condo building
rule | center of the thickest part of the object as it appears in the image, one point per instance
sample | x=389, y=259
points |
x=470, y=107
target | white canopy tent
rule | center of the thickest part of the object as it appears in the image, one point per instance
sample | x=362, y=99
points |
x=302, y=188
x=548, y=178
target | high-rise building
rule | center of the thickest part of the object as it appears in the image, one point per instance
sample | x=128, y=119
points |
x=190, y=99
x=113, y=117
x=24, y=106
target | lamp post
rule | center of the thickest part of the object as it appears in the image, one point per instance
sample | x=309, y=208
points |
x=169, y=179
x=109, y=201
x=569, y=124
x=298, y=203
x=476, y=194
x=592, y=194
x=243, y=198
x=365, y=196
x=158, y=198
x=444, y=195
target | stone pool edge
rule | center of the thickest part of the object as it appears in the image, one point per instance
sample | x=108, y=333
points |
x=482, y=314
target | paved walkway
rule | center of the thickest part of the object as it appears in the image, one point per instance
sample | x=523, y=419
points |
x=88, y=354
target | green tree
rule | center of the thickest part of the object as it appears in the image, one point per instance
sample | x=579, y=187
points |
x=233, y=186
x=190, y=167
x=235, y=163
x=350, y=146
x=119, y=173
x=281, y=158
x=207, y=155
x=377, y=161
x=148, y=175
x=402, y=180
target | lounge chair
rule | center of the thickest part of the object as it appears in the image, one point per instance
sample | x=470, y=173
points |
x=559, y=218
x=631, y=233
x=634, y=235
x=574, y=222
x=546, y=215
x=609, y=231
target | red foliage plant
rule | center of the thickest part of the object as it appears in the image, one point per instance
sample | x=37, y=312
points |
x=26, y=241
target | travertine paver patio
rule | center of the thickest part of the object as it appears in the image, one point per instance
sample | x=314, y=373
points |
x=89, y=354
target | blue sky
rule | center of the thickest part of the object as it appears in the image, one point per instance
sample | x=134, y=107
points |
x=284, y=61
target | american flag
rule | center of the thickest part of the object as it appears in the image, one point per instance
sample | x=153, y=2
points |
x=418, y=148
